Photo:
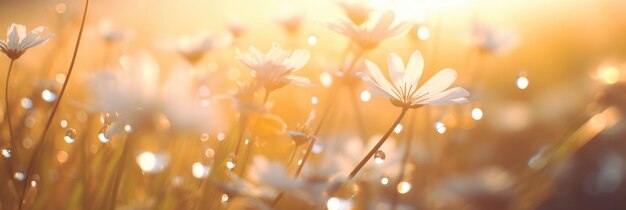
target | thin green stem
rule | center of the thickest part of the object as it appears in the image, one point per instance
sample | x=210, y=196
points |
x=380, y=143
x=38, y=147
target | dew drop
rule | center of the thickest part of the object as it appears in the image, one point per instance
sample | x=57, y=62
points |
x=440, y=127
x=522, y=81
x=224, y=198
x=404, y=187
x=128, y=128
x=48, y=96
x=366, y=96
x=70, y=135
x=199, y=171
x=102, y=134
x=6, y=153
x=384, y=180
x=19, y=176
x=477, y=113
x=26, y=103
x=398, y=128
x=379, y=157
x=204, y=137
x=231, y=161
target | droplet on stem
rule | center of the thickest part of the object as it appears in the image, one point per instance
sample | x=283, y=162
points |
x=70, y=135
x=379, y=157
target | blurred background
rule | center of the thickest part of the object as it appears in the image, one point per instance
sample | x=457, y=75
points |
x=527, y=137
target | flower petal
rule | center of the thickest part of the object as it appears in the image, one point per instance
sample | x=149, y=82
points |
x=298, y=59
x=414, y=68
x=396, y=68
x=36, y=42
x=381, y=27
x=300, y=81
x=438, y=83
x=454, y=95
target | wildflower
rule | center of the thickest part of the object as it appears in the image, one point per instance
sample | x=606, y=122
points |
x=110, y=33
x=357, y=12
x=193, y=48
x=403, y=90
x=18, y=41
x=369, y=36
x=272, y=70
x=237, y=29
x=488, y=39
x=291, y=23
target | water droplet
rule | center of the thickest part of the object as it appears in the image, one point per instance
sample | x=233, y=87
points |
x=312, y=40
x=224, y=198
x=231, y=161
x=26, y=103
x=317, y=148
x=6, y=153
x=70, y=135
x=366, y=96
x=404, y=187
x=379, y=157
x=423, y=33
x=64, y=123
x=199, y=171
x=522, y=81
x=398, y=128
x=384, y=180
x=540, y=158
x=48, y=96
x=102, y=135
x=204, y=137
x=209, y=153
x=246, y=142
x=326, y=79
x=314, y=100
x=105, y=118
x=33, y=184
x=19, y=176
x=440, y=127
x=128, y=128
x=221, y=136
x=477, y=113
x=299, y=162
x=147, y=161
x=335, y=203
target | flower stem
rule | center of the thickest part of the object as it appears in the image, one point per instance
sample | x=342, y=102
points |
x=128, y=147
x=38, y=147
x=378, y=145
x=8, y=111
x=405, y=159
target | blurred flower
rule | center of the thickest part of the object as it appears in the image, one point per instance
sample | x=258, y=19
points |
x=110, y=33
x=236, y=28
x=488, y=39
x=350, y=151
x=357, y=11
x=370, y=35
x=404, y=91
x=490, y=189
x=18, y=40
x=291, y=22
x=193, y=48
x=272, y=70
x=302, y=135
x=133, y=92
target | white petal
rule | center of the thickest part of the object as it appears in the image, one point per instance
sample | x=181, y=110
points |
x=379, y=78
x=453, y=95
x=37, y=42
x=414, y=68
x=374, y=87
x=396, y=68
x=14, y=37
x=442, y=80
x=298, y=59
x=383, y=24
x=297, y=80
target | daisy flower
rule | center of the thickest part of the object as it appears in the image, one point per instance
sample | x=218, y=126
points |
x=193, y=48
x=488, y=39
x=357, y=12
x=370, y=35
x=273, y=69
x=18, y=40
x=403, y=89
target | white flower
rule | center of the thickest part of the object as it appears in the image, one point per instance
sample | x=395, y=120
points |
x=488, y=39
x=370, y=35
x=110, y=33
x=403, y=90
x=135, y=93
x=193, y=48
x=273, y=70
x=291, y=22
x=18, y=40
